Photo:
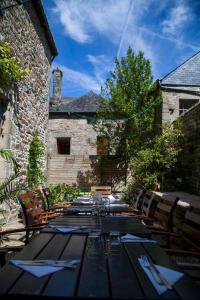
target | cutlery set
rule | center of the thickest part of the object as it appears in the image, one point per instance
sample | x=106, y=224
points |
x=53, y=263
x=160, y=279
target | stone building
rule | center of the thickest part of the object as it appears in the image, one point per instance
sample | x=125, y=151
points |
x=190, y=156
x=72, y=142
x=24, y=106
x=181, y=97
x=181, y=89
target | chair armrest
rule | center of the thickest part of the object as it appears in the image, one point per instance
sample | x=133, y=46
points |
x=10, y=248
x=145, y=218
x=30, y=228
x=177, y=252
x=168, y=233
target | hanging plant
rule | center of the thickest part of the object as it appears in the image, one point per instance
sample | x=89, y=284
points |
x=10, y=69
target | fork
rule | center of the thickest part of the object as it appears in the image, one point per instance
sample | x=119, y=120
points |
x=146, y=264
x=157, y=275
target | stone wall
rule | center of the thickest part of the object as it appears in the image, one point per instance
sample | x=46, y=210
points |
x=171, y=97
x=81, y=167
x=27, y=100
x=190, y=158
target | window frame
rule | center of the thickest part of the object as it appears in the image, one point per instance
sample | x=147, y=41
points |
x=61, y=143
x=183, y=110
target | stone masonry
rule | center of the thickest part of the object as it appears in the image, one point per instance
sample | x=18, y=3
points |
x=190, y=158
x=181, y=97
x=71, y=118
x=26, y=103
x=171, y=100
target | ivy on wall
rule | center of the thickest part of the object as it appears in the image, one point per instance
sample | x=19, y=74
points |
x=10, y=69
x=35, y=163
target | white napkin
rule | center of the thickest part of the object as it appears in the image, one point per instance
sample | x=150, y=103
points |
x=171, y=275
x=42, y=270
x=66, y=229
x=129, y=238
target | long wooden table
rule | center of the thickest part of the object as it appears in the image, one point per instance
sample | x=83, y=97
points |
x=105, y=224
x=105, y=271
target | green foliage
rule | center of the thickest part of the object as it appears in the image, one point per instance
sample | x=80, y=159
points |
x=129, y=192
x=8, y=156
x=153, y=164
x=129, y=98
x=35, y=163
x=10, y=69
x=10, y=187
x=61, y=192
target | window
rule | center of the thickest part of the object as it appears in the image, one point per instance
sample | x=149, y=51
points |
x=63, y=145
x=185, y=104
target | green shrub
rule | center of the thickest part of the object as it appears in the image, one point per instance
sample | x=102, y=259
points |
x=154, y=164
x=62, y=192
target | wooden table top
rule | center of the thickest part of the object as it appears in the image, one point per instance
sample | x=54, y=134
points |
x=105, y=224
x=103, y=273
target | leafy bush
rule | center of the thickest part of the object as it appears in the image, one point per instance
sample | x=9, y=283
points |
x=129, y=191
x=61, y=192
x=152, y=165
x=10, y=69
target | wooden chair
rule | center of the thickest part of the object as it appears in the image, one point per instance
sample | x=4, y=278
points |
x=148, y=204
x=164, y=211
x=29, y=231
x=185, y=247
x=103, y=190
x=35, y=218
x=147, y=207
x=33, y=209
x=55, y=207
x=157, y=213
x=138, y=199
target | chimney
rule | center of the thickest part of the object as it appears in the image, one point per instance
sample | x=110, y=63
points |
x=57, y=87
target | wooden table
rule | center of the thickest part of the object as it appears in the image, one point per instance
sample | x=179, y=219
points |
x=102, y=273
x=104, y=224
x=90, y=209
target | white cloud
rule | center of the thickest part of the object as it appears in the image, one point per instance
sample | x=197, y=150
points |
x=117, y=20
x=78, y=79
x=81, y=19
x=102, y=65
x=179, y=16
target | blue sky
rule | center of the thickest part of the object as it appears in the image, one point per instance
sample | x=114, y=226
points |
x=89, y=34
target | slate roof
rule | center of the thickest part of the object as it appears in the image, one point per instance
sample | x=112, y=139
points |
x=187, y=74
x=84, y=104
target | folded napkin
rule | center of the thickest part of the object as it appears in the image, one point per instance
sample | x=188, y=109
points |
x=129, y=238
x=41, y=268
x=67, y=229
x=172, y=276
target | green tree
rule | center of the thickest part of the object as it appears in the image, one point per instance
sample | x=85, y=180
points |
x=156, y=163
x=35, y=162
x=126, y=112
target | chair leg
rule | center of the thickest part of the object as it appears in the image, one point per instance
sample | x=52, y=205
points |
x=3, y=257
x=27, y=237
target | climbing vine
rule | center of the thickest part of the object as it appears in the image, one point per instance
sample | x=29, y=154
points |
x=35, y=163
x=10, y=69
